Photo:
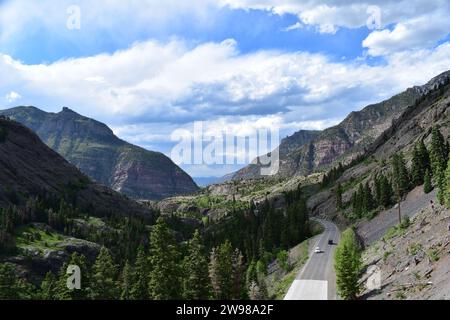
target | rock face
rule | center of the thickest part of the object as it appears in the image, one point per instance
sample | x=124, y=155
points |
x=97, y=152
x=29, y=168
x=306, y=151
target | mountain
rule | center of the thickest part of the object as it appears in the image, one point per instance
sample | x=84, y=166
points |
x=306, y=151
x=96, y=151
x=206, y=181
x=28, y=168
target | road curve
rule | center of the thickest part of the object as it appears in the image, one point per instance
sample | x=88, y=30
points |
x=317, y=280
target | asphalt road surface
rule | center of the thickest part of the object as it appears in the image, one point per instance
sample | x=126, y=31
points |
x=317, y=280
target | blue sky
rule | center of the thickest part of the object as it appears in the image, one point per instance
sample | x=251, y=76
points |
x=148, y=68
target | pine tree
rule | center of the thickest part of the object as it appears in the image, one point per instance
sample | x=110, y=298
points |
x=225, y=271
x=126, y=282
x=49, y=287
x=417, y=167
x=339, y=196
x=64, y=293
x=251, y=275
x=214, y=273
x=238, y=274
x=8, y=283
x=347, y=264
x=254, y=291
x=196, y=280
x=400, y=175
x=368, y=201
x=447, y=185
x=441, y=186
x=139, y=289
x=165, y=276
x=427, y=186
x=424, y=156
x=438, y=153
x=104, y=277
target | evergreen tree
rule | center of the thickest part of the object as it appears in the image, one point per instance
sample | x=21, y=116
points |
x=338, y=194
x=254, y=291
x=49, y=287
x=347, y=264
x=9, y=283
x=427, y=186
x=126, y=282
x=441, y=186
x=424, y=156
x=400, y=175
x=226, y=271
x=418, y=167
x=63, y=292
x=447, y=185
x=251, y=275
x=196, y=280
x=368, y=200
x=383, y=191
x=238, y=274
x=165, y=282
x=438, y=153
x=139, y=289
x=214, y=273
x=104, y=277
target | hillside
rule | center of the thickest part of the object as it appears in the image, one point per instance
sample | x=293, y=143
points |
x=28, y=168
x=97, y=152
x=343, y=142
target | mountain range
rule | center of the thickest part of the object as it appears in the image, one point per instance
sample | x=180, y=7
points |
x=307, y=151
x=93, y=148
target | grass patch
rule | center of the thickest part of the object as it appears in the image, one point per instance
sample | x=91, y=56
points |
x=30, y=237
x=285, y=282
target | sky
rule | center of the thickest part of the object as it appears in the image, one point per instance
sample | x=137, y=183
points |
x=151, y=69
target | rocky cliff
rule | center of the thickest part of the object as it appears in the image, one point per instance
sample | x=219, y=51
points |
x=97, y=152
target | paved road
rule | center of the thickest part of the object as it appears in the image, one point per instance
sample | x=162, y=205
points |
x=317, y=280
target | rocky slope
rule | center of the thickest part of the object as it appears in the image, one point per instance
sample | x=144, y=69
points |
x=29, y=168
x=413, y=263
x=315, y=150
x=97, y=152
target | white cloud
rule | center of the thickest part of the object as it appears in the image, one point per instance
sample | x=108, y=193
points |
x=417, y=23
x=295, y=26
x=153, y=88
x=12, y=96
x=155, y=82
x=421, y=32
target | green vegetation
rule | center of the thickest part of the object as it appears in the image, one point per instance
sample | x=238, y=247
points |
x=282, y=285
x=347, y=264
x=447, y=184
x=3, y=133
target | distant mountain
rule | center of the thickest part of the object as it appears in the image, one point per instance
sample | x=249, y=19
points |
x=307, y=151
x=96, y=151
x=28, y=168
x=206, y=181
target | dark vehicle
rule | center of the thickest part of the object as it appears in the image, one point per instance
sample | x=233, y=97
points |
x=330, y=242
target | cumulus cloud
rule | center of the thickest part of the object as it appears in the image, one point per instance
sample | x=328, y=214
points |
x=12, y=96
x=175, y=83
x=421, y=32
x=417, y=23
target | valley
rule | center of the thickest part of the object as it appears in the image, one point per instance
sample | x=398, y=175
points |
x=161, y=237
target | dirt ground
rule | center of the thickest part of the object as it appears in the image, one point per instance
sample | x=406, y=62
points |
x=414, y=262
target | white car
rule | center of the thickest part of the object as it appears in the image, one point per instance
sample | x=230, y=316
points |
x=317, y=250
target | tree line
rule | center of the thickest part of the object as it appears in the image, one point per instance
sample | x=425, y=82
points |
x=428, y=168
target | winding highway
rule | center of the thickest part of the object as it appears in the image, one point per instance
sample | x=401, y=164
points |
x=317, y=280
